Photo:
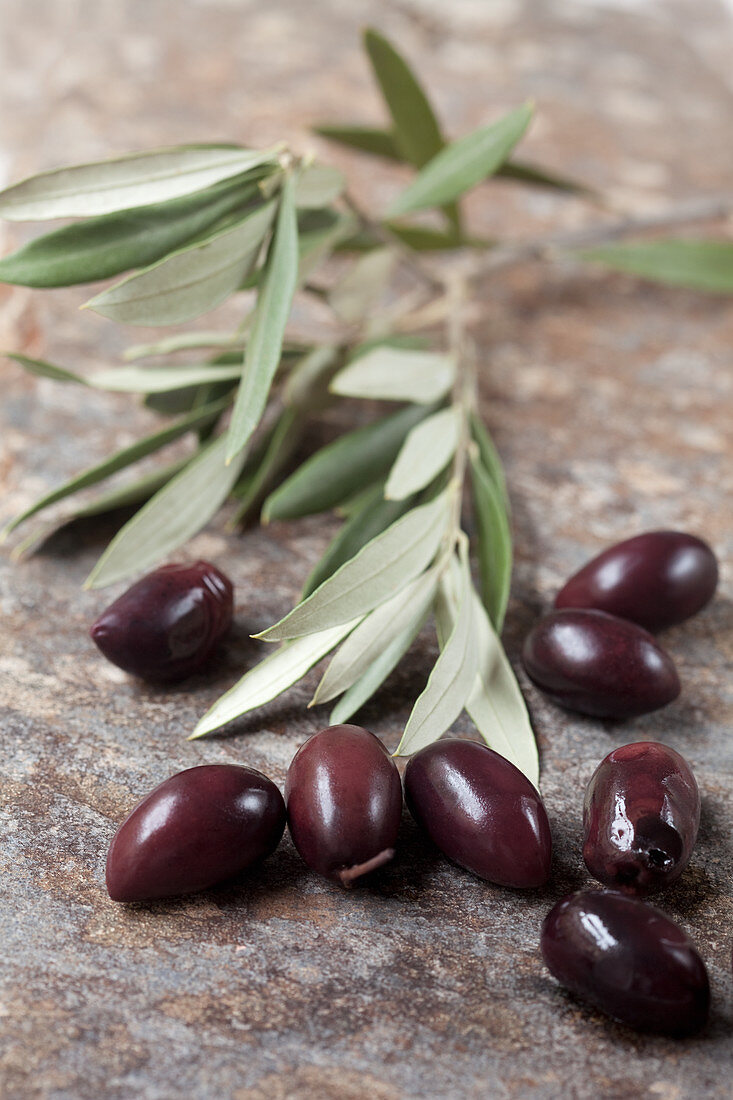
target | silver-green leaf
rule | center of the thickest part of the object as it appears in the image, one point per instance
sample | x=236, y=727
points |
x=427, y=450
x=356, y=295
x=271, y=677
x=463, y=164
x=318, y=185
x=396, y=374
x=353, y=699
x=379, y=570
x=160, y=379
x=697, y=264
x=88, y=190
x=264, y=346
x=494, y=544
x=174, y=515
x=191, y=281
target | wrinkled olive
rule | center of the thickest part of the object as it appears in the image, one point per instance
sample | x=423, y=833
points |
x=344, y=800
x=194, y=830
x=167, y=624
x=599, y=664
x=627, y=959
x=481, y=811
x=655, y=580
x=641, y=816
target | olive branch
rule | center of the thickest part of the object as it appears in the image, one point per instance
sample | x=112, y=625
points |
x=198, y=224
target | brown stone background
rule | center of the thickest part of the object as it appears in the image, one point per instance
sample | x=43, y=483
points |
x=611, y=403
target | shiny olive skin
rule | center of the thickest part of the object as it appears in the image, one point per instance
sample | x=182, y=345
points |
x=656, y=579
x=598, y=664
x=194, y=830
x=344, y=800
x=481, y=811
x=627, y=959
x=167, y=625
x=641, y=816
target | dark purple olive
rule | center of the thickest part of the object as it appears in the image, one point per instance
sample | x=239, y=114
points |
x=481, y=811
x=598, y=664
x=627, y=959
x=196, y=829
x=655, y=580
x=344, y=800
x=641, y=816
x=167, y=625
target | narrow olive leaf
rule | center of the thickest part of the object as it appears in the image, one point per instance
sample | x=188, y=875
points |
x=426, y=451
x=401, y=615
x=318, y=185
x=375, y=515
x=523, y=172
x=159, y=379
x=494, y=544
x=264, y=346
x=120, y=460
x=282, y=443
x=395, y=374
x=337, y=471
x=496, y=704
x=43, y=369
x=490, y=458
x=170, y=518
x=353, y=699
x=318, y=236
x=183, y=341
x=189, y=282
x=141, y=179
x=369, y=139
x=416, y=131
x=120, y=497
x=697, y=264
x=379, y=570
x=271, y=677
x=102, y=247
x=463, y=164
x=450, y=682
x=356, y=295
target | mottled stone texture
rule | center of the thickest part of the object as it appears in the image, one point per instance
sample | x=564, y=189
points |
x=611, y=403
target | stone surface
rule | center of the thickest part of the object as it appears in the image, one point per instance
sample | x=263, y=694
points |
x=610, y=402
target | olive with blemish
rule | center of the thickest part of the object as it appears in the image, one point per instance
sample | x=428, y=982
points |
x=196, y=829
x=627, y=959
x=598, y=664
x=656, y=579
x=641, y=816
x=481, y=811
x=344, y=801
x=167, y=625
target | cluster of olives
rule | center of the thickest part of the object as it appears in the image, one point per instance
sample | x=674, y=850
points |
x=343, y=792
x=594, y=653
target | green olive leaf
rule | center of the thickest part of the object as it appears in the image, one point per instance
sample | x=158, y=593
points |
x=102, y=247
x=188, y=282
x=369, y=139
x=271, y=677
x=697, y=264
x=374, y=515
x=318, y=185
x=282, y=443
x=357, y=294
x=337, y=471
x=141, y=179
x=354, y=698
x=184, y=341
x=264, y=347
x=536, y=176
x=400, y=615
x=160, y=379
x=379, y=570
x=490, y=459
x=426, y=451
x=451, y=681
x=494, y=544
x=174, y=515
x=124, y=457
x=397, y=374
x=463, y=164
x=43, y=369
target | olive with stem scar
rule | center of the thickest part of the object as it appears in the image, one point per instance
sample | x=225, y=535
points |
x=641, y=816
x=167, y=625
x=344, y=801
